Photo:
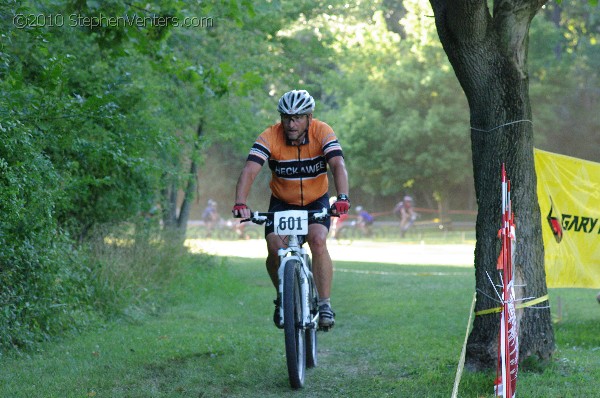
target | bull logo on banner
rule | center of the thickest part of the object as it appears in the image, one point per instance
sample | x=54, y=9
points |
x=554, y=223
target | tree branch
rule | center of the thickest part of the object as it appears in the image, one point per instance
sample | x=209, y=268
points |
x=512, y=19
x=464, y=20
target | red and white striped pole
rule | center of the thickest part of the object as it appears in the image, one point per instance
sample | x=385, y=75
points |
x=508, y=337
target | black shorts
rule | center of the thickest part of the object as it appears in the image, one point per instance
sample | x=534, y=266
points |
x=279, y=205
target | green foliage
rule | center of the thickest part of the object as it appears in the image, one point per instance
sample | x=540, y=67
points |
x=86, y=136
x=83, y=113
x=401, y=118
x=41, y=290
x=591, y=2
x=564, y=65
x=95, y=121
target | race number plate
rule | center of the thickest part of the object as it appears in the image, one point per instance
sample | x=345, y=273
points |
x=291, y=222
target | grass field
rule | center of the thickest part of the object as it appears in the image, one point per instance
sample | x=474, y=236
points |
x=399, y=333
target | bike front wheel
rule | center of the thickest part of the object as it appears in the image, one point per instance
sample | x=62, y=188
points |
x=311, y=333
x=295, y=334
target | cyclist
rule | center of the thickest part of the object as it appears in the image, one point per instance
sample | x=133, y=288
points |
x=364, y=221
x=210, y=216
x=404, y=209
x=298, y=150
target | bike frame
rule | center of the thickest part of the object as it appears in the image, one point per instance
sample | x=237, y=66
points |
x=296, y=252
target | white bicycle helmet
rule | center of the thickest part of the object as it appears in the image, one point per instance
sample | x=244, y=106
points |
x=296, y=102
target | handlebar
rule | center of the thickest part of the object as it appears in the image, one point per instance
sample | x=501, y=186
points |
x=262, y=217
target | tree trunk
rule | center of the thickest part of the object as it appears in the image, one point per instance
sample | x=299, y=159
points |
x=175, y=222
x=489, y=57
x=186, y=205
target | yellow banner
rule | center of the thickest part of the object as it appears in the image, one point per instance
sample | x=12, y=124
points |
x=569, y=196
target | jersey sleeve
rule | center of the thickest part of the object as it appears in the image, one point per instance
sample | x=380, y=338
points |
x=260, y=151
x=331, y=145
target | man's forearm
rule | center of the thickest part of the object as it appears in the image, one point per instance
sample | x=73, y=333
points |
x=340, y=178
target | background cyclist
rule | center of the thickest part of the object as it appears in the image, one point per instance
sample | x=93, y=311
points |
x=337, y=223
x=405, y=211
x=298, y=150
x=364, y=221
x=210, y=216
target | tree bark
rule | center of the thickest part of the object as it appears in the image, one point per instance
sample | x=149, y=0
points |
x=489, y=57
x=175, y=222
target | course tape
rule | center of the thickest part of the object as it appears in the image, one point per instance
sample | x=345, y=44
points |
x=520, y=305
x=461, y=362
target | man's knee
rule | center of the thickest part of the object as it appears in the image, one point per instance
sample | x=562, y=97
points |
x=317, y=243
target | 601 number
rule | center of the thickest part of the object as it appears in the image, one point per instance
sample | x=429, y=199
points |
x=289, y=223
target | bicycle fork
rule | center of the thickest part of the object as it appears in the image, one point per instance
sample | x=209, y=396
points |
x=309, y=293
x=308, y=321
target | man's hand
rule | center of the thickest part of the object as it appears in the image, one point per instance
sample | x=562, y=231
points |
x=240, y=210
x=342, y=205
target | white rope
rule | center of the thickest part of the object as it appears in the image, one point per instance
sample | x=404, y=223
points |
x=502, y=125
x=495, y=291
x=488, y=296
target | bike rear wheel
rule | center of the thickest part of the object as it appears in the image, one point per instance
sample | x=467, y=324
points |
x=295, y=335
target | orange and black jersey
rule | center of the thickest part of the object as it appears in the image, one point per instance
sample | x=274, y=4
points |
x=298, y=173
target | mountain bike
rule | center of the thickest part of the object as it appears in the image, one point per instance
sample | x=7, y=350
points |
x=299, y=312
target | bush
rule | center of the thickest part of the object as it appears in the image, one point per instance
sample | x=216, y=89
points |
x=39, y=276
